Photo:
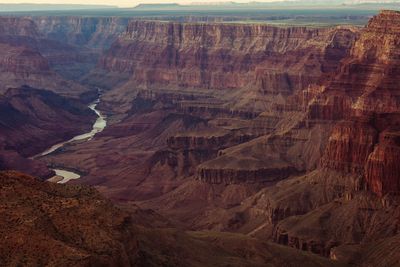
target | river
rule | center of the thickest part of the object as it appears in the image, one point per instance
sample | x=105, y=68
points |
x=98, y=126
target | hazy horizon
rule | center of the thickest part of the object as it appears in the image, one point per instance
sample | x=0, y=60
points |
x=120, y=3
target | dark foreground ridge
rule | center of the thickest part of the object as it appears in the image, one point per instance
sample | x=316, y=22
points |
x=48, y=224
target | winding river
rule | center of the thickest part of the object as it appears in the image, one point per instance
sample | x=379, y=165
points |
x=63, y=176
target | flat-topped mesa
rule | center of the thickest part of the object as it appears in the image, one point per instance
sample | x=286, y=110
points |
x=243, y=175
x=206, y=141
x=267, y=59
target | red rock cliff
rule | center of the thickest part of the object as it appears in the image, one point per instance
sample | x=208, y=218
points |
x=226, y=56
x=368, y=90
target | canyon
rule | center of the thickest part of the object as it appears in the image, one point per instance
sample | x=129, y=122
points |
x=284, y=138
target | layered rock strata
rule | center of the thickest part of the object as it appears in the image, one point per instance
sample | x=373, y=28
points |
x=44, y=223
x=32, y=120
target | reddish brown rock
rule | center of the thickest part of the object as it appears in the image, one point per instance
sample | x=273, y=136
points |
x=382, y=168
x=363, y=146
x=251, y=65
x=33, y=120
x=23, y=61
x=93, y=32
x=367, y=85
x=43, y=223
x=349, y=146
x=337, y=126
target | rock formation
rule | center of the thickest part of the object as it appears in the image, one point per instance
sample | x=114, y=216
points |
x=33, y=120
x=282, y=133
x=22, y=60
x=261, y=59
x=48, y=224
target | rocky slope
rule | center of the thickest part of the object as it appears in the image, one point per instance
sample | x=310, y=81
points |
x=369, y=106
x=93, y=32
x=32, y=120
x=168, y=128
x=260, y=59
x=174, y=126
x=48, y=224
x=362, y=103
x=60, y=40
x=83, y=37
x=27, y=58
x=282, y=133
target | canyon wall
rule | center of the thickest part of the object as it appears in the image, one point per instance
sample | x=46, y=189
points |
x=271, y=131
x=367, y=83
x=362, y=103
x=27, y=58
x=331, y=136
x=33, y=120
x=259, y=59
x=92, y=32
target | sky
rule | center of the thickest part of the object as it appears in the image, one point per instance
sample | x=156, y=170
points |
x=120, y=3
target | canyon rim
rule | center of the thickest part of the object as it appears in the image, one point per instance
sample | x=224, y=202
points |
x=229, y=134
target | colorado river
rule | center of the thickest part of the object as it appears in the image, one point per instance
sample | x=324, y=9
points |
x=98, y=126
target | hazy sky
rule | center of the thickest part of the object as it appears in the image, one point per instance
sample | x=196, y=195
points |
x=121, y=3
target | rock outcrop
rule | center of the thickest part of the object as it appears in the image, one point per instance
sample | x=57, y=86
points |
x=257, y=60
x=27, y=58
x=368, y=85
x=32, y=120
x=276, y=132
x=362, y=101
x=92, y=32
x=43, y=223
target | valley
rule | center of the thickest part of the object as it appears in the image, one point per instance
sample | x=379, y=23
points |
x=63, y=176
x=205, y=134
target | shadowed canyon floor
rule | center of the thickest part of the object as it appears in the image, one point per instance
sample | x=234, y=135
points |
x=255, y=141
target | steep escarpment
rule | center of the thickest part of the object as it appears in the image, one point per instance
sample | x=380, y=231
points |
x=33, y=120
x=261, y=59
x=43, y=223
x=362, y=101
x=373, y=96
x=235, y=78
x=26, y=58
x=275, y=132
x=23, y=61
x=21, y=27
x=231, y=82
x=93, y=32
x=74, y=44
x=339, y=138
